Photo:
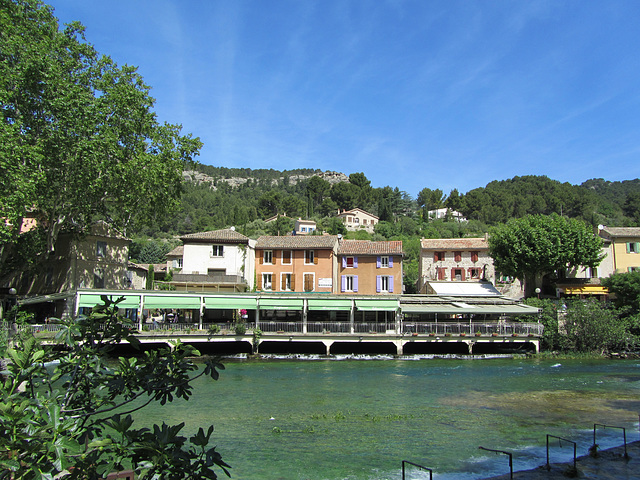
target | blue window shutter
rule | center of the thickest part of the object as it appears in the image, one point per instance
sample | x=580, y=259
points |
x=344, y=262
x=355, y=283
x=390, y=284
x=343, y=283
x=355, y=262
x=378, y=283
x=379, y=262
x=390, y=261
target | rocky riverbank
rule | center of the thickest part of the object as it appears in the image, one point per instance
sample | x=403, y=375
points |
x=609, y=464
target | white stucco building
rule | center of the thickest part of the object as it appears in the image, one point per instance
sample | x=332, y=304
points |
x=219, y=258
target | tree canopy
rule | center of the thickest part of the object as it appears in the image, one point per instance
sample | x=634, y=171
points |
x=78, y=137
x=530, y=246
x=67, y=413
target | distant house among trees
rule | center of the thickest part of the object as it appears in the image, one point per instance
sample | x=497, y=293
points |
x=446, y=213
x=356, y=219
x=304, y=227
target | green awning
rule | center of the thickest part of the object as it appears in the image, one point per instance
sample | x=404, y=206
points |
x=91, y=300
x=329, y=304
x=281, y=304
x=382, y=305
x=172, y=301
x=459, y=308
x=230, y=303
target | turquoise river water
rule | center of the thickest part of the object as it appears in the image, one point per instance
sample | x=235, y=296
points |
x=357, y=419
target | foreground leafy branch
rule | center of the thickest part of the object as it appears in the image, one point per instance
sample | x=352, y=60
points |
x=66, y=413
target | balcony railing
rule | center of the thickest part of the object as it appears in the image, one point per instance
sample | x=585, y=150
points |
x=357, y=328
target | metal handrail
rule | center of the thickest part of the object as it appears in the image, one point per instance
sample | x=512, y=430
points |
x=505, y=453
x=594, y=447
x=560, y=443
x=406, y=328
x=418, y=466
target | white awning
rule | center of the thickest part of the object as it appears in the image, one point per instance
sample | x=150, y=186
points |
x=466, y=289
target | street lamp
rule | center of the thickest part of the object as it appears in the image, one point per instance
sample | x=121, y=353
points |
x=538, y=292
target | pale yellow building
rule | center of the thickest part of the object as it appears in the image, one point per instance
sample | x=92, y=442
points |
x=623, y=247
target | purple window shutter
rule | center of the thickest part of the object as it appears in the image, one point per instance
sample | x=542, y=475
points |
x=355, y=283
x=344, y=262
x=379, y=262
x=355, y=262
x=343, y=283
x=378, y=283
x=390, y=284
x=390, y=262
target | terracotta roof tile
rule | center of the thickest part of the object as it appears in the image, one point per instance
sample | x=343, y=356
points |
x=222, y=236
x=622, y=231
x=176, y=252
x=454, y=244
x=294, y=242
x=367, y=247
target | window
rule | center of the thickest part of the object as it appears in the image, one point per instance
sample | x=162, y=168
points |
x=457, y=274
x=438, y=256
x=356, y=220
x=349, y=283
x=364, y=221
x=593, y=272
x=286, y=282
x=216, y=251
x=266, y=281
x=101, y=249
x=457, y=256
x=179, y=262
x=384, y=283
x=475, y=273
x=286, y=257
x=633, y=269
x=310, y=257
x=384, y=262
x=308, y=282
x=474, y=256
x=267, y=257
x=633, y=247
x=349, y=262
x=98, y=278
x=441, y=272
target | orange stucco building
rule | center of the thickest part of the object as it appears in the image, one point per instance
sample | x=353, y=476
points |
x=296, y=263
x=369, y=268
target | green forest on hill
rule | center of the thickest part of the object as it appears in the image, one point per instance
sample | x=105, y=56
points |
x=255, y=195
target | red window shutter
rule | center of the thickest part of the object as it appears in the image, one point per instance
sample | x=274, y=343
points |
x=435, y=256
x=462, y=272
x=458, y=256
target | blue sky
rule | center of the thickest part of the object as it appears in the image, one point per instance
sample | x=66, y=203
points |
x=440, y=94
